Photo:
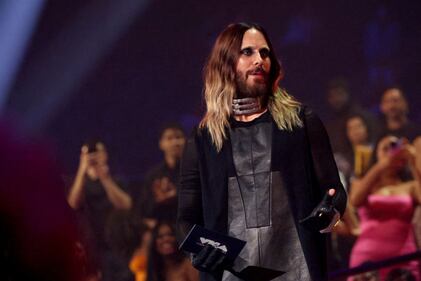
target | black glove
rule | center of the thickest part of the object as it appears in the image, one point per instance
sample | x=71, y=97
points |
x=324, y=217
x=210, y=259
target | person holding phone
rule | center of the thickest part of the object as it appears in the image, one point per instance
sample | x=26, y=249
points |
x=386, y=197
x=95, y=194
x=93, y=166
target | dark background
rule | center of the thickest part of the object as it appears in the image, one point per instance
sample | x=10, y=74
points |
x=119, y=70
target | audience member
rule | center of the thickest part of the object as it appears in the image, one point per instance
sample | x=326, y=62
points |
x=139, y=261
x=158, y=198
x=97, y=195
x=166, y=262
x=341, y=108
x=395, y=110
x=386, y=201
x=360, y=141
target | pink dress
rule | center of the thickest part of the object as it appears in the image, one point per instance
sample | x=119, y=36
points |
x=386, y=231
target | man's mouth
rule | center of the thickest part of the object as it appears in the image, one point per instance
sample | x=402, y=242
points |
x=257, y=72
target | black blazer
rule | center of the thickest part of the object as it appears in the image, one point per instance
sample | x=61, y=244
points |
x=304, y=158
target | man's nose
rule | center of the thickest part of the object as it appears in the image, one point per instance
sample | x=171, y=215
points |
x=258, y=60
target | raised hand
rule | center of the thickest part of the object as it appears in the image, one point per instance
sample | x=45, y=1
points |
x=84, y=159
x=163, y=189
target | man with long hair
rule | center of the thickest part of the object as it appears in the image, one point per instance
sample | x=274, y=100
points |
x=259, y=167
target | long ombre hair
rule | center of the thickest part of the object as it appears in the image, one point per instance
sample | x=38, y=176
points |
x=220, y=85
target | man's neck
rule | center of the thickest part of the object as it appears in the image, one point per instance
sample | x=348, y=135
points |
x=249, y=117
x=248, y=109
x=171, y=162
x=396, y=123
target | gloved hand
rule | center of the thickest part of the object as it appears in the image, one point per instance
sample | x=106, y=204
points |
x=210, y=259
x=324, y=217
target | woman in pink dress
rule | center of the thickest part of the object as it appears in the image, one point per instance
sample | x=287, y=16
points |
x=386, y=204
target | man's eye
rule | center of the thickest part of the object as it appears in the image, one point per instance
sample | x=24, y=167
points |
x=264, y=53
x=247, y=52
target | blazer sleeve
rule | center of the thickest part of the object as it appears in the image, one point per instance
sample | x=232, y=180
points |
x=189, y=193
x=323, y=161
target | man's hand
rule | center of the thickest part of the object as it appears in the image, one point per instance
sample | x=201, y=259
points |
x=327, y=211
x=163, y=189
x=84, y=160
x=210, y=259
x=409, y=153
x=324, y=217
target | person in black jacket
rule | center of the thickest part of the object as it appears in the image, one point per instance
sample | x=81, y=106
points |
x=158, y=197
x=259, y=167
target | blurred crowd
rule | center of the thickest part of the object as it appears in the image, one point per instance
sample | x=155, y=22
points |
x=379, y=160
x=128, y=229
x=118, y=230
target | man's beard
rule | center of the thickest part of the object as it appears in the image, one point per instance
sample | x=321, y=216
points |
x=245, y=91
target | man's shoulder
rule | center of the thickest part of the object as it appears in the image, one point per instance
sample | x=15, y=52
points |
x=200, y=134
x=410, y=131
x=414, y=128
x=303, y=108
x=306, y=112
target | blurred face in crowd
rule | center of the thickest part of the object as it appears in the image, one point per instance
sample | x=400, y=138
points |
x=166, y=242
x=356, y=131
x=253, y=65
x=172, y=142
x=393, y=104
x=337, y=98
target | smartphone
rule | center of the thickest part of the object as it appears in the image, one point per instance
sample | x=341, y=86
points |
x=396, y=145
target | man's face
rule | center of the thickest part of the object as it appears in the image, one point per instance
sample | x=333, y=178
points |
x=253, y=66
x=393, y=104
x=172, y=142
x=337, y=98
